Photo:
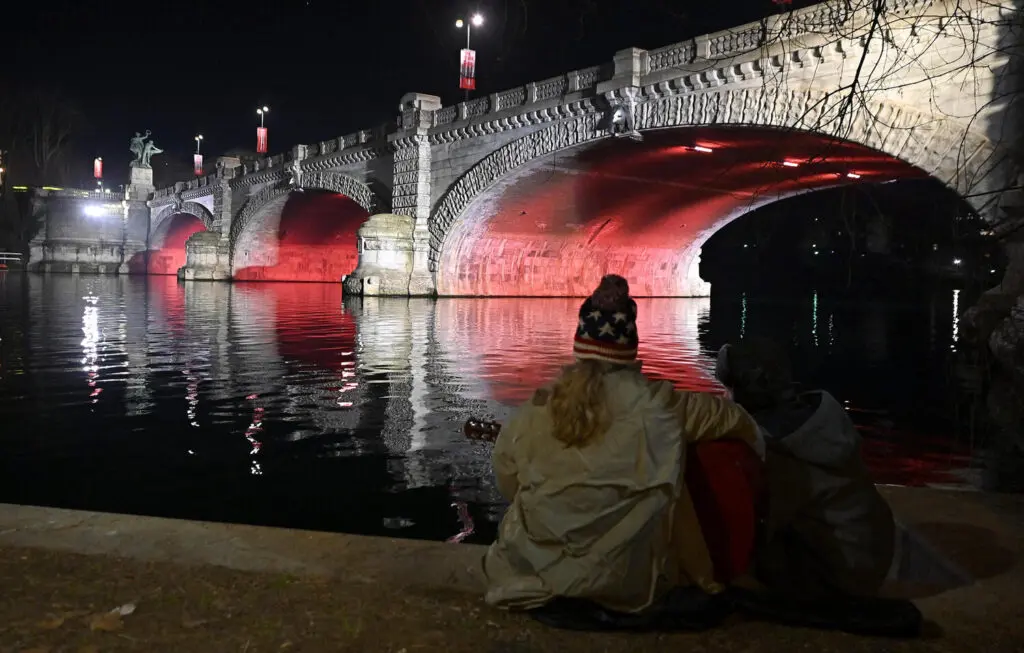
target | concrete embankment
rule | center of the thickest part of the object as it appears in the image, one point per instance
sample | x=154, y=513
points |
x=221, y=587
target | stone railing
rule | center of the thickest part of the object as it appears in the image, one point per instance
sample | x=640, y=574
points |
x=195, y=183
x=78, y=193
x=575, y=81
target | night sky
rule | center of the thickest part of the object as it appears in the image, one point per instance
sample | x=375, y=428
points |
x=325, y=68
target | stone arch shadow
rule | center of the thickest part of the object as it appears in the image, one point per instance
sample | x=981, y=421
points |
x=963, y=159
x=261, y=247
x=169, y=230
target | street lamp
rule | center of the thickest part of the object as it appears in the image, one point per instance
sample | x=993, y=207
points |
x=261, y=131
x=197, y=158
x=468, y=63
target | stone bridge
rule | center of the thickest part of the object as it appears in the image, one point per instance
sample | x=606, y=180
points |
x=628, y=166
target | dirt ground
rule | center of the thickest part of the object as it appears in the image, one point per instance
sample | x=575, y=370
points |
x=54, y=602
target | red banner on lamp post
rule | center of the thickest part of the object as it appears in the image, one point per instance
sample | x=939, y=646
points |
x=97, y=168
x=197, y=164
x=261, y=140
x=467, y=70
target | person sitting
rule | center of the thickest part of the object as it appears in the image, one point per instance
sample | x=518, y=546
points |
x=828, y=532
x=593, y=465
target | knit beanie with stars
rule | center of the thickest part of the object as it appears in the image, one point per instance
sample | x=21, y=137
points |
x=607, y=324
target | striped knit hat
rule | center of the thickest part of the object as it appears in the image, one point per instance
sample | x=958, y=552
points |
x=607, y=324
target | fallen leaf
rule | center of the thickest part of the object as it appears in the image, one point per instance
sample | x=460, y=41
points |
x=124, y=610
x=108, y=622
x=52, y=622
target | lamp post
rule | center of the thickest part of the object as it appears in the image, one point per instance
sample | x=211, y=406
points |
x=261, y=131
x=467, y=65
x=197, y=158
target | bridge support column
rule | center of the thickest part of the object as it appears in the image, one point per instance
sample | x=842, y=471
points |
x=208, y=253
x=134, y=248
x=401, y=247
x=207, y=258
x=387, y=257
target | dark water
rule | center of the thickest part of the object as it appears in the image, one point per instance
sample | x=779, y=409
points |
x=283, y=404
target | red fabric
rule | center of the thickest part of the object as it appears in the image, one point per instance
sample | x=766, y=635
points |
x=726, y=483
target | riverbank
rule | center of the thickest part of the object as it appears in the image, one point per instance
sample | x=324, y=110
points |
x=215, y=587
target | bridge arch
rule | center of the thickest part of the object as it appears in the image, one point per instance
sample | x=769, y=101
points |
x=283, y=233
x=170, y=228
x=194, y=209
x=959, y=156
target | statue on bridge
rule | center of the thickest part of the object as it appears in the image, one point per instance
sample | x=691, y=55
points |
x=143, y=148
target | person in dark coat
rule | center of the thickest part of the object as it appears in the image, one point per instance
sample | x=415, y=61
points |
x=827, y=531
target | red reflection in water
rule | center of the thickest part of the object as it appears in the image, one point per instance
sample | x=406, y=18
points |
x=312, y=324
x=637, y=209
x=500, y=350
x=904, y=458
x=517, y=345
x=316, y=240
x=168, y=253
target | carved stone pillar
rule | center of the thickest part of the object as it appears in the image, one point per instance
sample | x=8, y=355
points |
x=208, y=253
x=412, y=179
x=207, y=258
x=134, y=244
x=387, y=252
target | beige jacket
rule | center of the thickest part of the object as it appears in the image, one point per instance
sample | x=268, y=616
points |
x=612, y=521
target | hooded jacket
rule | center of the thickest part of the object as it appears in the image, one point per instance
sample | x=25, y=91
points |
x=610, y=521
x=828, y=530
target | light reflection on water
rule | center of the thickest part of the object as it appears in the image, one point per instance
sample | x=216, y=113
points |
x=284, y=404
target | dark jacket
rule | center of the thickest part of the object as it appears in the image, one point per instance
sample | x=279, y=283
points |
x=828, y=531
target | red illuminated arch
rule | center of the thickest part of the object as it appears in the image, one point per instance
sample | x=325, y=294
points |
x=171, y=228
x=300, y=235
x=482, y=245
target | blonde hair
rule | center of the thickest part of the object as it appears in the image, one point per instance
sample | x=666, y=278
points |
x=578, y=404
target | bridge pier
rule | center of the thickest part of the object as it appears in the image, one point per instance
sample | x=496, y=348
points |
x=394, y=250
x=207, y=258
x=136, y=221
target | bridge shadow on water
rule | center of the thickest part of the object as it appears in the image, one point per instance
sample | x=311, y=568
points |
x=289, y=405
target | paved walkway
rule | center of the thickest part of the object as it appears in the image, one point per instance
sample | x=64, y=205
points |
x=195, y=587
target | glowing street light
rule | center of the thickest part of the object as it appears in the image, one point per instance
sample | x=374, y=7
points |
x=197, y=158
x=467, y=63
x=262, y=137
x=957, y=261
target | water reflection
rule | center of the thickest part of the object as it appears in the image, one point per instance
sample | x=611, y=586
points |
x=90, y=345
x=956, y=319
x=346, y=413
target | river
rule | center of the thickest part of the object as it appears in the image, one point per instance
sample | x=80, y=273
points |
x=288, y=405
